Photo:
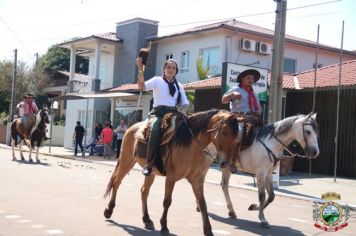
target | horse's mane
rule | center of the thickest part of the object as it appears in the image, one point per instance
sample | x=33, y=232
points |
x=198, y=122
x=278, y=128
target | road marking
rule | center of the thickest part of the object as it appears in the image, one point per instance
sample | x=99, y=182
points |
x=12, y=216
x=23, y=221
x=38, y=226
x=222, y=232
x=298, y=220
x=54, y=231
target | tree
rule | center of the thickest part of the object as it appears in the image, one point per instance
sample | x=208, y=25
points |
x=57, y=59
x=202, y=72
x=22, y=86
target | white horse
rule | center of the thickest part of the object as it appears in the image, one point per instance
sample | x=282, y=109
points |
x=260, y=158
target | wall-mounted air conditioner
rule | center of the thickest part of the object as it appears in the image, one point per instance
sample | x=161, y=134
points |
x=247, y=45
x=264, y=48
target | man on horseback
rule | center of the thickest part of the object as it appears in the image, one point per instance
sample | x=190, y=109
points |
x=243, y=100
x=167, y=94
x=29, y=108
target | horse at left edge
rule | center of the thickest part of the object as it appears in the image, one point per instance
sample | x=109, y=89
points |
x=36, y=137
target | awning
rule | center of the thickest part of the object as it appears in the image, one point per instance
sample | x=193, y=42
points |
x=94, y=95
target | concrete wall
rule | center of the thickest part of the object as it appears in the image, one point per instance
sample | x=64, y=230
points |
x=135, y=34
x=57, y=136
x=106, y=71
x=3, y=133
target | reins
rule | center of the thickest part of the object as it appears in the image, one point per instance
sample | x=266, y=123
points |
x=206, y=150
x=273, y=156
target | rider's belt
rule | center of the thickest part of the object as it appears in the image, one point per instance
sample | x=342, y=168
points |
x=165, y=108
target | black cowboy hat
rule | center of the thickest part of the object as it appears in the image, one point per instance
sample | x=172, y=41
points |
x=253, y=72
x=143, y=53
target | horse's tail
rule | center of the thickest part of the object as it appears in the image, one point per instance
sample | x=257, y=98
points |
x=111, y=182
x=13, y=130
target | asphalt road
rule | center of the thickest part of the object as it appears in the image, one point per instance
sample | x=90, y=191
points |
x=65, y=197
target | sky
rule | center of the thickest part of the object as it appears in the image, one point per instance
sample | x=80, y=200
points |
x=32, y=26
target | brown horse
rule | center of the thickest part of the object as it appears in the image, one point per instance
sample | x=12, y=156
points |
x=184, y=157
x=38, y=134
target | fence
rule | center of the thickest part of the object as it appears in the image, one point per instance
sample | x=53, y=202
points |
x=325, y=106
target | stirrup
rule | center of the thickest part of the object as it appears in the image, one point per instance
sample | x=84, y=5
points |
x=147, y=171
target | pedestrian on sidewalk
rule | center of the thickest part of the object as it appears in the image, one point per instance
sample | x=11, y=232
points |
x=78, y=137
x=121, y=129
x=107, y=136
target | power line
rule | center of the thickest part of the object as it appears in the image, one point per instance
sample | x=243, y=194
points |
x=17, y=38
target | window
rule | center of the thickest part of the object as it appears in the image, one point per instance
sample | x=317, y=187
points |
x=290, y=65
x=169, y=56
x=211, y=59
x=185, y=61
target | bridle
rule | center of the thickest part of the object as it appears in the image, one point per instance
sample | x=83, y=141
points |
x=291, y=154
x=217, y=135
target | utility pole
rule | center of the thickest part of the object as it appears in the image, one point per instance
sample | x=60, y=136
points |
x=13, y=94
x=34, y=82
x=275, y=95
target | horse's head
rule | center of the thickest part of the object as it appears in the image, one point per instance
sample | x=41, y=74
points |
x=44, y=115
x=225, y=132
x=307, y=134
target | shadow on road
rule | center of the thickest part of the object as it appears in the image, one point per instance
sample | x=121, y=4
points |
x=135, y=231
x=32, y=163
x=254, y=227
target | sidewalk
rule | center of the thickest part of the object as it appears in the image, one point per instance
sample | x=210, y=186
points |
x=297, y=185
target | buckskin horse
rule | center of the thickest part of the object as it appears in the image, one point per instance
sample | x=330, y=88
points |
x=37, y=135
x=260, y=158
x=183, y=156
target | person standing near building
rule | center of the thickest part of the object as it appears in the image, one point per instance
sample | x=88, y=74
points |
x=78, y=137
x=121, y=129
x=107, y=136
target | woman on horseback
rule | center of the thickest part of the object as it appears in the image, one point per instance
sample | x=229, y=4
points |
x=168, y=93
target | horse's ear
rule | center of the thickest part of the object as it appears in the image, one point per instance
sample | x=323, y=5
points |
x=308, y=116
x=313, y=116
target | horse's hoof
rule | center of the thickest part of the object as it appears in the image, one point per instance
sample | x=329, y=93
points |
x=164, y=231
x=265, y=225
x=253, y=207
x=38, y=161
x=149, y=226
x=107, y=213
x=14, y=159
x=30, y=160
x=209, y=233
x=232, y=214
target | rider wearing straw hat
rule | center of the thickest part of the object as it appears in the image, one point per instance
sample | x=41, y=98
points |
x=243, y=100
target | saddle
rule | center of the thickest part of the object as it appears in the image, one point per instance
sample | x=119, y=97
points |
x=251, y=124
x=32, y=125
x=170, y=122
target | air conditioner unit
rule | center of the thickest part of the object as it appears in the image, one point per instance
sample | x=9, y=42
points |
x=264, y=48
x=247, y=45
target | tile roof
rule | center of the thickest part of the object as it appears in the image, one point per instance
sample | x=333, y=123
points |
x=328, y=76
x=204, y=84
x=124, y=87
x=108, y=36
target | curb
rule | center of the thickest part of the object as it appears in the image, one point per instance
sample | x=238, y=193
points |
x=310, y=199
